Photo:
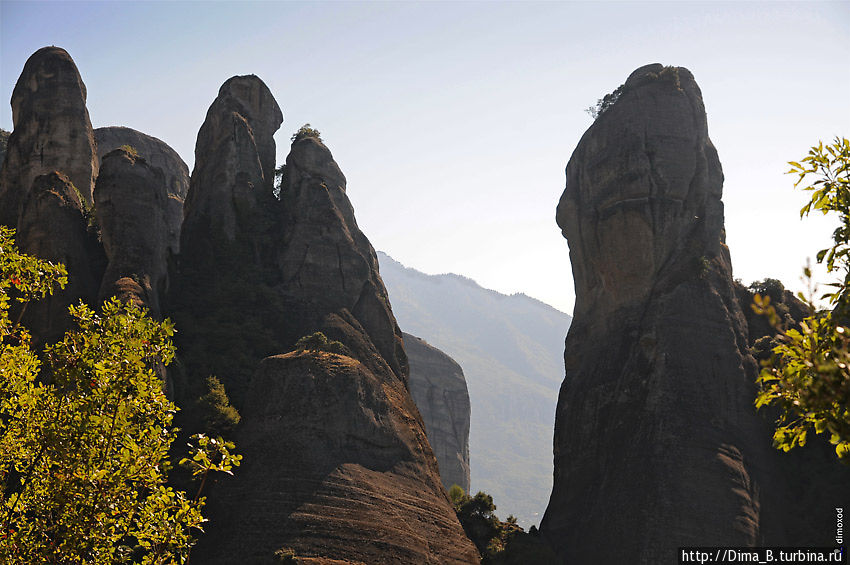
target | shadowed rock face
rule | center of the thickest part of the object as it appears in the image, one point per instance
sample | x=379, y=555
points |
x=131, y=203
x=439, y=390
x=234, y=164
x=340, y=468
x=160, y=156
x=53, y=227
x=337, y=466
x=328, y=265
x=52, y=131
x=656, y=439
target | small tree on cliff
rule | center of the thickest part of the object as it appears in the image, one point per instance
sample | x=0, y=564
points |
x=319, y=342
x=305, y=131
x=808, y=376
x=83, y=446
x=499, y=543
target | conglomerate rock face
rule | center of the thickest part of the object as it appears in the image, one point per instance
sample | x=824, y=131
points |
x=337, y=463
x=439, y=389
x=159, y=155
x=131, y=202
x=657, y=444
x=52, y=131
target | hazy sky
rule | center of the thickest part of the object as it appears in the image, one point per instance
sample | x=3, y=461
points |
x=453, y=122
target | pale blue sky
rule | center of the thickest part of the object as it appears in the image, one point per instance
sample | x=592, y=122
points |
x=453, y=122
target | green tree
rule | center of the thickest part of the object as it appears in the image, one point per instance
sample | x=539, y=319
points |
x=499, y=543
x=220, y=417
x=84, y=439
x=320, y=342
x=808, y=375
x=305, y=131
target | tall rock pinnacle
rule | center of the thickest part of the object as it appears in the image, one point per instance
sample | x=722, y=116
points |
x=656, y=439
x=234, y=163
x=157, y=154
x=46, y=183
x=439, y=389
x=52, y=131
x=326, y=259
x=131, y=201
x=337, y=466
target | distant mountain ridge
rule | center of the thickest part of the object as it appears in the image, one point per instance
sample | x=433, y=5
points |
x=511, y=350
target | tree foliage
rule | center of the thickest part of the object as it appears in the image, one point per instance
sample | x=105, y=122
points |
x=319, y=342
x=220, y=417
x=305, y=131
x=498, y=542
x=605, y=102
x=808, y=375
x=85, y=433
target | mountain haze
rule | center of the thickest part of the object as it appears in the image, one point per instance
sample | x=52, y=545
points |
x=511, y=351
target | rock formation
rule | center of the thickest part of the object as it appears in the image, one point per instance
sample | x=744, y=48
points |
x=52, y=131
x=328, y=264
x=337, y=463
x=158, y=155
x=46, y=183
x=439, y=390
x=132, y=202
x=811, y=482
x=4, y=141
x=657, y=444
x=53, y=226
x=234, y=164
x=337, y=467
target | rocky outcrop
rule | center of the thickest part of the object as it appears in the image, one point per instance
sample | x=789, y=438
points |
x=4, y=141
x=234, y=165
x=53, y=226
x=337, y=466
x=656, y=439
x=328, y=265
x=52, y=131
x=132, y=209
x=337, y=463
x=158, y=155
x=439, y=389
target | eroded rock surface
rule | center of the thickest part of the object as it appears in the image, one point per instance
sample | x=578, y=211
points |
x=337, y=466
x=329, y=265
x=656, y=439
x=439, y=389
x=234, y=164
x=52, y=131
x=53, y=226
x=340, y=467
x=159, y=155
x=132, y=209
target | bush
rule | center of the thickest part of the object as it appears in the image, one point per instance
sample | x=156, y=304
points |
x=305, y=131
x=219, y=415
x=286, y=555
x=131, y=150
x=319, y=342
x=604, y=103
